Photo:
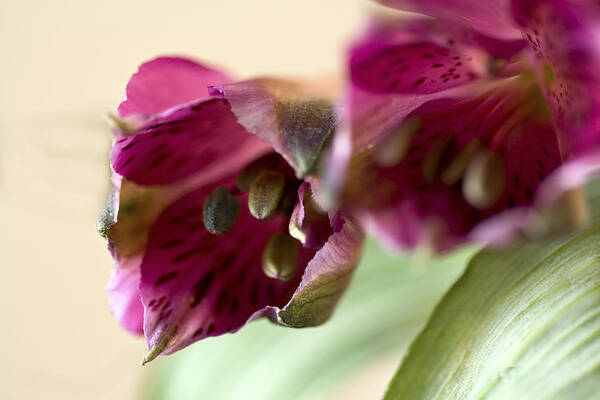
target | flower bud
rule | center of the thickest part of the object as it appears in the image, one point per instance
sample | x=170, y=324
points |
x=265, y=193
x=220, y=210
x=280, y=257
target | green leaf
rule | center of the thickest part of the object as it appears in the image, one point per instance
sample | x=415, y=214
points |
x=521, y=323
x=386, y=304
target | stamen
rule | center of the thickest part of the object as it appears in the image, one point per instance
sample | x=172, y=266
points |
x=484, y=179
x=398, y=143
x=265, y=194
x=455, y=171
x=220, y=210
x=433, y=159
x=280, y=257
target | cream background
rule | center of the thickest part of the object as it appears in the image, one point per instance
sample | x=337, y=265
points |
x=63, y=64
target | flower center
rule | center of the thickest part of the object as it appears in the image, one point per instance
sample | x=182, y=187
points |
x=272, y=189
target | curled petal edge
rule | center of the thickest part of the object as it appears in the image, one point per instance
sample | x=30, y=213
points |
x=324, y=281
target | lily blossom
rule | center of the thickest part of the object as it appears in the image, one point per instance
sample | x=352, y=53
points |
x=455, y=130
x=209, y=226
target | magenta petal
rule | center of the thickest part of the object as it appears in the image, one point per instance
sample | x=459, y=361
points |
x=414, y=56
x=421, y=56
x=195, y=284
x=201, y=137
x=166, y=82
x=399, y=64
x=413, y=68
x=564, y=44
x=491, y=17
x=124, y=294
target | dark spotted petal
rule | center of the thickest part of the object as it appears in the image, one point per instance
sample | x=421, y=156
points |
x=201, y=137
x=167, y=82
x=399, y=64
x=296, y=119
x=196, y=284
x=564, y=45
x=423, y=56
x=415, y=56
x=490, y=16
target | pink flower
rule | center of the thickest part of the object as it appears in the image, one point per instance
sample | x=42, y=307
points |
x=209, y=226
x=477, y=125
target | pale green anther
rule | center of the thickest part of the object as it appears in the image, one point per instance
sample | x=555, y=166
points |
x=280, y=257
x=458, y=166
x=484, y=179
x=220, y=210
x=265, y=194
x=431, y=162
x=397, y=145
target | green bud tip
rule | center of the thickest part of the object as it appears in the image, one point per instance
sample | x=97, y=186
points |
x=220, y=210
x=120, y=124
x=165, y=341
x=265, y=194
x=280, y=257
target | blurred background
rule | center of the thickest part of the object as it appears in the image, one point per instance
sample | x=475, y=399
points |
x=63, y=65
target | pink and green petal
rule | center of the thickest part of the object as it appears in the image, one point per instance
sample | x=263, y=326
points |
x=196, y=284
x=200, y=138
x=491, y=17
x=125, y=222
x=325, y=279
x=166, y=82
x=564, y=46
x=296, y=119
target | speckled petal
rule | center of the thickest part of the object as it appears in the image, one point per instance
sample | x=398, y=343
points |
x=167, y=82
x=399, y=64
x=491, y=16
x=201, y=137
x=416, y=56
x=564, y=45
